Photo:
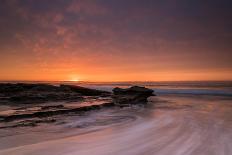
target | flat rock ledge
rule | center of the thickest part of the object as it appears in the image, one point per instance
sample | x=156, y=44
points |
x=132, y=95
x=26, y=93
x=49, y=113
x=39, y=93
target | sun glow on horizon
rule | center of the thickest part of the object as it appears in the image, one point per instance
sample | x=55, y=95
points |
x=74, y=78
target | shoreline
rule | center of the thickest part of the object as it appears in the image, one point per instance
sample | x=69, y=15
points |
x=167, y=125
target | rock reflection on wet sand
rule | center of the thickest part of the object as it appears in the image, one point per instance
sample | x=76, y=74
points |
x=180, y=125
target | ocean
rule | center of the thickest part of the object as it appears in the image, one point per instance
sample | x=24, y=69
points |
x=217, y=88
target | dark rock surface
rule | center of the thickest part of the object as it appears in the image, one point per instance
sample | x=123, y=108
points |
x=85, y=91
x=22, y=94
x=52, y=107
x=132, y=95
x=39, y=93
x=31, y=123
x=9, y=88
x=41, y=97
x=52, y=112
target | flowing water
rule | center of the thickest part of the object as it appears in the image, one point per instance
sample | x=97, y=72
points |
x=183, y=119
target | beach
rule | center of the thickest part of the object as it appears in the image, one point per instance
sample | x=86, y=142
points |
x=177, y=124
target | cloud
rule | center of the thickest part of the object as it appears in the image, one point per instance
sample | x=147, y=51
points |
x=117, y=33
x=86, y=7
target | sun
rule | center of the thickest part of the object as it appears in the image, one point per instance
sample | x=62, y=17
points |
x=74, y=78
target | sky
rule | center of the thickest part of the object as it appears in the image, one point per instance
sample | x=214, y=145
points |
x=115, y=40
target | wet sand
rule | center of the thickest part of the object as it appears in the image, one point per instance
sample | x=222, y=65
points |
x=169, y=125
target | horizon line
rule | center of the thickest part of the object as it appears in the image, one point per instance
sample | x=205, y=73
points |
x=82, y=81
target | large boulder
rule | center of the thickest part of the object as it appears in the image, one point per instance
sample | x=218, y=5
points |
x=132, y=95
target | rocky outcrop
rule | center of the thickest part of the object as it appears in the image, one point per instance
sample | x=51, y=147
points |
x=132, y=95
x=30, y=123
x=41, y=97
x=10, y=88
x=84, y=91
x=38, y=93
x=52, y=112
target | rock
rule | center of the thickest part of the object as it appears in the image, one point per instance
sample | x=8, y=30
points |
x=30, y=123
x=41, y=97
x=85, y=91
x=52, y=107
x=53, y=112
x=132, y=95
x=6, y=88
x=21, y=87
x=39, y=93
x=45, y=87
